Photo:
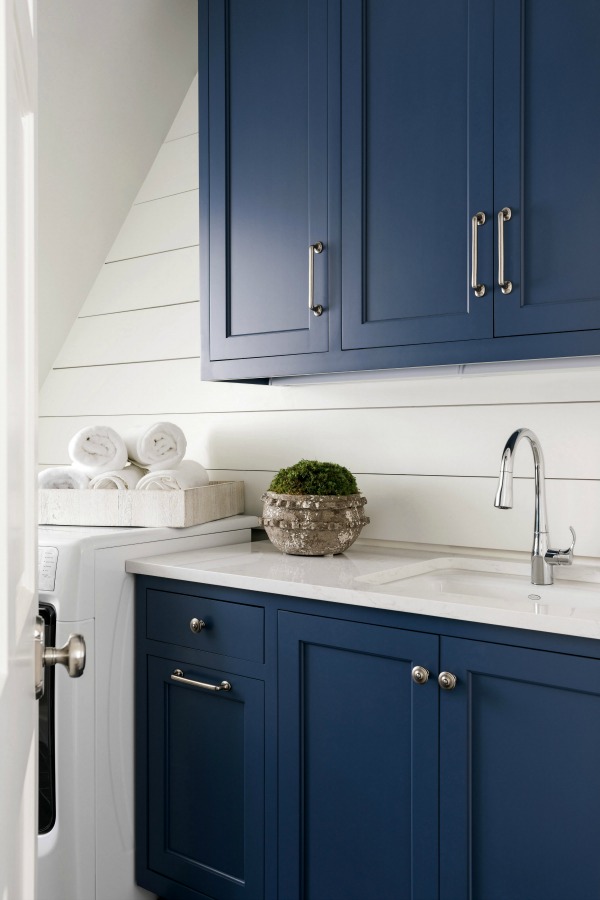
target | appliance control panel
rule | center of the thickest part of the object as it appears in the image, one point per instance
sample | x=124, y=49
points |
x=47, y=560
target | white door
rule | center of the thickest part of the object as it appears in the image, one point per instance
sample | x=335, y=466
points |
x=18, y=409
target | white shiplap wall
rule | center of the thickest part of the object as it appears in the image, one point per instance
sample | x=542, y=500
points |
x=425, y=450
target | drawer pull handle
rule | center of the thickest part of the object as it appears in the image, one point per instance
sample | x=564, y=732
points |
x=477, y=220
x=313, y=248
x=196, y=625
x=177, y=675
x=503, y=216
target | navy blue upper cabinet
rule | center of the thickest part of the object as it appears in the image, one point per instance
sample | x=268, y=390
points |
x=263, y=189
x=395, y=133
x=416, y=167
x=546, y=164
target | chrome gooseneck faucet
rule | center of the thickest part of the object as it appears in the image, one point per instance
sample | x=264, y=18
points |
x=542, y=557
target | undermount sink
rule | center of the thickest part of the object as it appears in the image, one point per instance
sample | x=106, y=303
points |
x=489, y=582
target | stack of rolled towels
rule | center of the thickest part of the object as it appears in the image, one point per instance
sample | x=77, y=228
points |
x=145, y=458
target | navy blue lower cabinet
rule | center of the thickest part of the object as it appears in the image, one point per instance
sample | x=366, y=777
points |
x=334, y=770
x=519, y=774
x=358, y=767
x=205, y=788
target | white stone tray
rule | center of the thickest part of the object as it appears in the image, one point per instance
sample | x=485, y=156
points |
x=172, y=509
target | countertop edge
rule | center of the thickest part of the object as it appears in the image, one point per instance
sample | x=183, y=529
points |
x=586, y=628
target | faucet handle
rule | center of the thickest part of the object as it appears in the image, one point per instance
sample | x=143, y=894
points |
x=562, y=557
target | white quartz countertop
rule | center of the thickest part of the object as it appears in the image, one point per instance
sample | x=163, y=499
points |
x=490, y=590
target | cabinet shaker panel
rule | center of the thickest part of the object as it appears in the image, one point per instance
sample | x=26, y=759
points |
x=263, y=175
x=358, y=761
x=205, y=788
x=546, y=168
x=519, y=775
x=416, y=167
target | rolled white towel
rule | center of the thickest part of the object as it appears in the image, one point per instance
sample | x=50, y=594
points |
x=189, y=474
x=118, y=479
x=97, y=449
x=158, y=446
x=63, y=477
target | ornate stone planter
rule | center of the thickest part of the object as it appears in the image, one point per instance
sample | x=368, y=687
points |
x=312, y=525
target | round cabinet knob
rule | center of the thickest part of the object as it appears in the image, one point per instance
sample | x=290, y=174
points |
x=420, y=674
x=447, y=681
x=196, y=625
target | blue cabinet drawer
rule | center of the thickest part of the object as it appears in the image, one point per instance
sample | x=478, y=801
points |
x=213, y=626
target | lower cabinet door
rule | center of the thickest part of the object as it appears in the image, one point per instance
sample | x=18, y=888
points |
x=519, y=774
x=358, y=763
x=206, y=781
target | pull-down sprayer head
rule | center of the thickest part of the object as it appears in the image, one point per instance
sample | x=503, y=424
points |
x=504, y=494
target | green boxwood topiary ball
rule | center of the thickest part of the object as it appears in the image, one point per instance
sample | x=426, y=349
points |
x=312, y=477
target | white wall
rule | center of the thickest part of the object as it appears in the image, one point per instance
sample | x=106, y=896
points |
x=111, y=77
x=425, y=450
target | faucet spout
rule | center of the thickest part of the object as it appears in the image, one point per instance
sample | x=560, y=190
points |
x=541, y=557
x=504, y=494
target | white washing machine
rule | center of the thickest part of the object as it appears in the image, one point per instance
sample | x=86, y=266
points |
x=85, y=845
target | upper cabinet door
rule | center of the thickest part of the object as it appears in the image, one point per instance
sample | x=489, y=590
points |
x=547, y=171
x=263, y=175
x=416, y=167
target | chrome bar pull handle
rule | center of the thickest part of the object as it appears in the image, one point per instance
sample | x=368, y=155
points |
x=477, y=220
x=503, y=216
x=313, y=248
x=177, y=675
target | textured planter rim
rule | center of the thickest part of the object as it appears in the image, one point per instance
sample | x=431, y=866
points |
x=313, y=501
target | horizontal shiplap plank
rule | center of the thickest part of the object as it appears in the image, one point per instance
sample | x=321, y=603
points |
x=171, y=331
x=433, y=442
x=459, y=512
x=176, y=386
x=157, y=280
x=166, y=224
x=186, y=120
x=174, y=170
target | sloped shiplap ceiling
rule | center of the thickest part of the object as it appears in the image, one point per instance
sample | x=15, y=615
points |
x=112, y=76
